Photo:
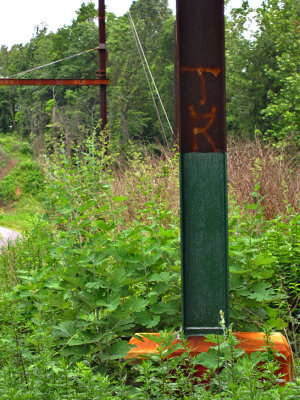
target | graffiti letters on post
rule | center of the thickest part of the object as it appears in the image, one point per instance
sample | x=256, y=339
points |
x=202, y=119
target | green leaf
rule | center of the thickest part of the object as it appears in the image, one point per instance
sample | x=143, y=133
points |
x=117, y=350
x=252, y=206
x=170, y=308
x=147, y=319
x=263, y=260
x=53, y=283
x=134, y=305
x=114, y=301
x=100, y=283
x=83, y=338
x=261, y=292
x=236, y=269
x=214, y=338
x=209, y=360
x=65, y=329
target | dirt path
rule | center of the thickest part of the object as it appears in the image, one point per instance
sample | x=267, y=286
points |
x=7, y=235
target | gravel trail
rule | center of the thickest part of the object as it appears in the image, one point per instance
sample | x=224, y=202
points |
x=7, y=235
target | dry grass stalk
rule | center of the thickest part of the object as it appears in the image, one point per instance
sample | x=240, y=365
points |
x=10, y=164
x=249, y=164
x=151, y=179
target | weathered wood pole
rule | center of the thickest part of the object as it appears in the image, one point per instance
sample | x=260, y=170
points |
x=200, y=120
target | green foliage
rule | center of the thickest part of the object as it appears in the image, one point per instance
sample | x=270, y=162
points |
x=131, y=110
x=27, y=176
x=103, y=263
x=31, y=369
x=263, y=265
x=263, y=72
x=100, y=265
x=229, y=372
x=21, y=184
x=281, y=24
x=102, y=281
x=87, y=12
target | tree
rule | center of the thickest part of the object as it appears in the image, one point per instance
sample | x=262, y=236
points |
x=131, y=108
x=239, y=104
x=263, y=72
x=279, y=22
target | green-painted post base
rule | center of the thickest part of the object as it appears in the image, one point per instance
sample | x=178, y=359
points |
x=204, y=241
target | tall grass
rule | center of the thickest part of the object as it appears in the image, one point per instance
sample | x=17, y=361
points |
x=277, y=177
x=254, y=170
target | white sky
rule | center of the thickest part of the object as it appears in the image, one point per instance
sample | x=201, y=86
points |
x=18, y=18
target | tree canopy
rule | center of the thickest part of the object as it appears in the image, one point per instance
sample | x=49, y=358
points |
x=262, y=74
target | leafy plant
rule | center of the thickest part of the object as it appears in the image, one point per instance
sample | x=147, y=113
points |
x=103, y=263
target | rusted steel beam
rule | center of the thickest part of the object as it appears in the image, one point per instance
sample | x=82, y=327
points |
x=52, y=82
x=200, y=73
x=102, y=63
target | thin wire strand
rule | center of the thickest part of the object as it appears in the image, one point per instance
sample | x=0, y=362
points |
x=51, y=63
x=150, y=73
x=149, y=84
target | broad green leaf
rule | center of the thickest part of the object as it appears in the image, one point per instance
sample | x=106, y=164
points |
x=117, y=350
x=261, y=260
x=210, y=359
x=134, y=305
x=214, y=338
x=113, y=302
x=99, y=283
x=85, y=338
x=53, y=283
x=170, y=308
x=65, y=329
x=147, y=319
x=236, y=269
x=261, y=292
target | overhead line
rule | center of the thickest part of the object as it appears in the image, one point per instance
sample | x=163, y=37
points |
x=149, y=70
x=48, y=64
x=149, y=84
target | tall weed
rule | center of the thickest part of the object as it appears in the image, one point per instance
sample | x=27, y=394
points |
x=103, y=279
x=103, y=263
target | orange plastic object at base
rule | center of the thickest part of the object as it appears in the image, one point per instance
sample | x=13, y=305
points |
x=249, y=342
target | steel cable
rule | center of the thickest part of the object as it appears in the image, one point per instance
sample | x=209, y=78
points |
x=47, y=65
x=149, y=70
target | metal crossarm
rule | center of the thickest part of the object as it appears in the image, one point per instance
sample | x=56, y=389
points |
x=52, y=82
x=101, y=81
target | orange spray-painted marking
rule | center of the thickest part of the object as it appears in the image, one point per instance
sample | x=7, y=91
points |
x=200, y=71
x=198, y=117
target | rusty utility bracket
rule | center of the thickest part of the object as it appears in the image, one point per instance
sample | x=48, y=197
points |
x=52, y=82
x=102, y=81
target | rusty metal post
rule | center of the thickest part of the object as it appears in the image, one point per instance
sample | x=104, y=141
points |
x=102, y=63
x=200, y=119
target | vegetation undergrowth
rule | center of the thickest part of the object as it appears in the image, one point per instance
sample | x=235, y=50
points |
x=103, y=263
x=21, y=184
